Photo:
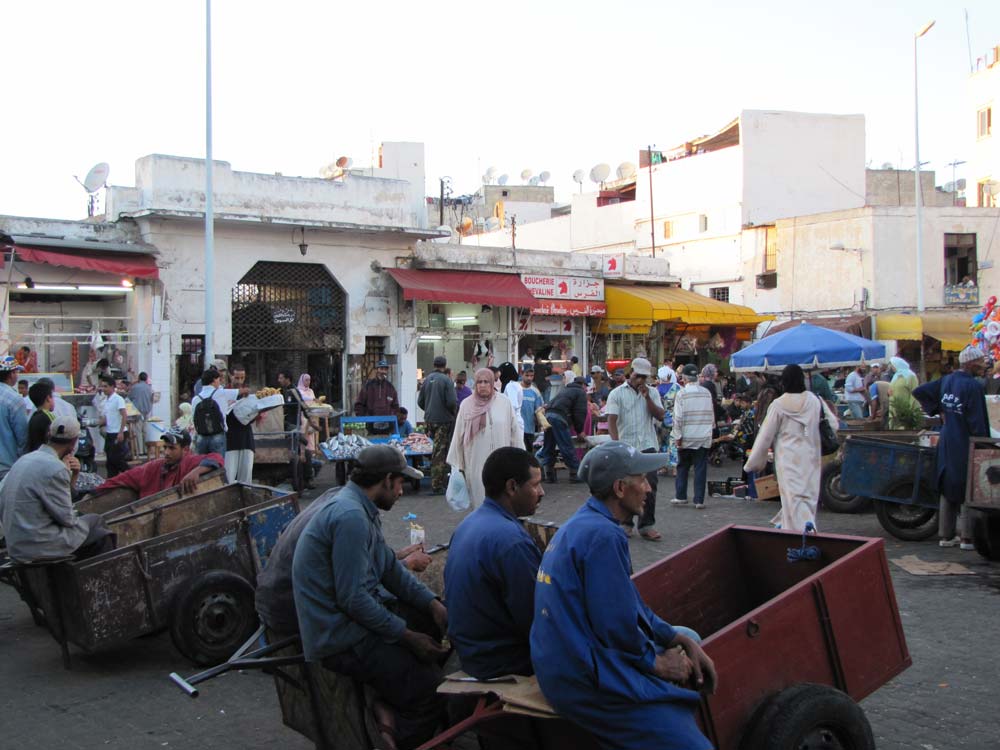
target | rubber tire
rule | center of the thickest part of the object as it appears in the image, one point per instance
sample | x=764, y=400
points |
x=922, y=526
x=986, y=534
x=833, y=497
x=785, y=721
x=216, y=594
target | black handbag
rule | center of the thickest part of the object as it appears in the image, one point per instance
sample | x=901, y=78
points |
x=828, y=442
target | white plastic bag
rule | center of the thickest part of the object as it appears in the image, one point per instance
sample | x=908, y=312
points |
x=457, y=493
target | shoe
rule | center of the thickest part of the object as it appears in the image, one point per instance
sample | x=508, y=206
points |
x=650, y=534
x=699, y=506
x=679, y=501
x=629, y=531
x=949, y=542
x=967, y=547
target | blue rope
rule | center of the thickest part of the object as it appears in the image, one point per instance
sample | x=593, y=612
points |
x=804, y=552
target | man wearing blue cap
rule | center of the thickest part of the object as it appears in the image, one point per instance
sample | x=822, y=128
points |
x=378, y=399
x=602, y=658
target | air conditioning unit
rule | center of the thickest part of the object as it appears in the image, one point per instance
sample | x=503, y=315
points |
x=767, y=280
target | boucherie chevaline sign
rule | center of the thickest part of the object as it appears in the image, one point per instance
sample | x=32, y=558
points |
x=565, y=295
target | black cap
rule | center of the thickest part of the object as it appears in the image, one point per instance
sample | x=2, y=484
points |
x=385, y=459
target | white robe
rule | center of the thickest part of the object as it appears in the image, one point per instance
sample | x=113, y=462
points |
x=501, y=430
x=792, y=426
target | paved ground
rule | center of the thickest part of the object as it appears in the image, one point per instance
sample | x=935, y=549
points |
x=948, y=699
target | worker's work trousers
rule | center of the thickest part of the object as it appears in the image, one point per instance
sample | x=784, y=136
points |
x=951, y=516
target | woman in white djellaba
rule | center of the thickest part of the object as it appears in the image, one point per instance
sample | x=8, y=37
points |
x=792, y=427
x=486, y=421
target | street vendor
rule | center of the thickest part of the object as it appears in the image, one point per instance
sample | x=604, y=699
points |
x=378, y=399
x=960, y=401
x=177, y=467
x=603, y=659
x=360, y=612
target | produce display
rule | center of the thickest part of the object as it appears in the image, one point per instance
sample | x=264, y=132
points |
x=416, y=442
x=265, y=392
x=341, y=447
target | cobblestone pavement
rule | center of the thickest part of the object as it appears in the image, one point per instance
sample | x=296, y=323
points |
x=948, y=699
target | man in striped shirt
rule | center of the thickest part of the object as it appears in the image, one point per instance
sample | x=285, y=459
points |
x=694, y=418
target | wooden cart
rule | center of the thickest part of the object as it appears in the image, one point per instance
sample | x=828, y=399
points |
x=983, y=495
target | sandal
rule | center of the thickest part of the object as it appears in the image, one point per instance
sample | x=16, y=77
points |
x=650, y=534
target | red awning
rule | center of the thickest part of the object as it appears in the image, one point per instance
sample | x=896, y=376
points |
x=569, y=308
x=475, y=287
x=124, y=264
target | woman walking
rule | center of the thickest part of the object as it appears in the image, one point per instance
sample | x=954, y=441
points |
x=792, y=427
x=904, y=410
x=486, y=421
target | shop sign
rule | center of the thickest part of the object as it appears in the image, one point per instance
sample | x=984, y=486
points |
x=570, y=308
x=546, y=286
x=544, y=325
x=614, y=266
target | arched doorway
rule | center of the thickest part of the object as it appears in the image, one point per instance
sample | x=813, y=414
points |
x=291, y=315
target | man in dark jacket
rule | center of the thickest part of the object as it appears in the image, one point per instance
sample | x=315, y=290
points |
x=378, y=399
x=568, y=407
x=439, y=400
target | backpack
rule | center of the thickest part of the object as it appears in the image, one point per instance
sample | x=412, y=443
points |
x=208, y=417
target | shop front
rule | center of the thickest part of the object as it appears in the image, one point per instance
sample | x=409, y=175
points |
x=663, y=322
x=930, y=342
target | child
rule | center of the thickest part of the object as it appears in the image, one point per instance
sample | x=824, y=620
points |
x=405, y=428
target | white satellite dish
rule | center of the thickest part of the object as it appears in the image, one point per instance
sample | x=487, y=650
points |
x=444, y=240
x=887, y=165
x=330, y=171
x=502, y=179
x=533, y=182
x=526, y=174
x=599, y=173
x=96, y=177
x=544, y=177
x=626, y=170
x=578, y=176
x=491, y=172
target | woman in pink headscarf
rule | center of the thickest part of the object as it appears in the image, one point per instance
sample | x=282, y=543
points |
x=303, y=387
x=486, y=421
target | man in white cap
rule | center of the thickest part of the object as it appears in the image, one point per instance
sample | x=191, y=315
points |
x=36, y=506
x=633, y=411
x=13, y=419
x=959, y=399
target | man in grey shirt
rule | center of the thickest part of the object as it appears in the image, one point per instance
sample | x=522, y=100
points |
x=439, y=401
x=36, y=505
x=360, y=612
x=141, y=394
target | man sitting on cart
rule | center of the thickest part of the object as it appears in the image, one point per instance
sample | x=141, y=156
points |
x=179, y=466
x=602, y=658
x=361, y=613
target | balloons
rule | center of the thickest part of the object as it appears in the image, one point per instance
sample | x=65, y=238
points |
x=985, y=328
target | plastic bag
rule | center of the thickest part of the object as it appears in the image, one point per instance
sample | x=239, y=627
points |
x=457, y=493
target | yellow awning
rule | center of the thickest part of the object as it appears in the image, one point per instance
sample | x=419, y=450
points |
x=951, y=329
x=637, y=307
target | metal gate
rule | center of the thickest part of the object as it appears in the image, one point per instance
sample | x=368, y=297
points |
x=294, y=315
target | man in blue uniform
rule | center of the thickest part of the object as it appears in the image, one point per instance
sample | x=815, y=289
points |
x=602, y=658
x=490, y=574
x=960, y=400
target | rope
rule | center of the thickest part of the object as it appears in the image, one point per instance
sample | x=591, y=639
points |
x=804, y=553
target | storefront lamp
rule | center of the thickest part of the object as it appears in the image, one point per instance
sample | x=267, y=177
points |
x=465, y=318
x=127, y=283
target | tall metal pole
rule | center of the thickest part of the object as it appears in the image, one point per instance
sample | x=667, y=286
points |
x=209, y=204
x=916, y=174
x=652, y=221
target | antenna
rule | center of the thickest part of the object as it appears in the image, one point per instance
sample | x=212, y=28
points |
x=578, y=178
x=599, y=173
x=526, y=174
x=502, y=179
x=626, y=170
x=96, y=179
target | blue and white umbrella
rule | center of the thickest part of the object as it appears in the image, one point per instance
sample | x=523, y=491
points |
x=811, y=347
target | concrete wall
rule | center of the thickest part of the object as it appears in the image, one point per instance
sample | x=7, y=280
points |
x=984, y=153
x=894, y=187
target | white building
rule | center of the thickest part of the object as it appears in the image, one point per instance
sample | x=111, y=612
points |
x=984, y=161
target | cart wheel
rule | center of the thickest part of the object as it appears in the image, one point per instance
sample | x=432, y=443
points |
x=833, y=495
x=986, y=534
x=911, y=523
x=809, y=717
x=213, y=616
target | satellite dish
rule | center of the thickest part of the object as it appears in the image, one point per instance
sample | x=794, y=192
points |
x=491, y=172
x=887, y=165
x=949, y=187
x=578, y=176
x=544, y=177
x=533, y=182
x=492, y=224
x=466, y=226
x=960, y=183
x=626, y=170
x=526, y=174
x=444, y=240
x=345, y=162
x=96, y=177
x=599, y=173
x=502, y=179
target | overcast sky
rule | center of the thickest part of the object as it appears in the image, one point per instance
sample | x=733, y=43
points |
x=553, y=85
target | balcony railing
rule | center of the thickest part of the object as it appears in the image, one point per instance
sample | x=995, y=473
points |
x=960, y=294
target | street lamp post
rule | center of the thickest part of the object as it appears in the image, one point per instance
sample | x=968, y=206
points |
x=209, y=349
x=916, y=173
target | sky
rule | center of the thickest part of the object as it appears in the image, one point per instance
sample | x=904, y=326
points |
x=557, y=85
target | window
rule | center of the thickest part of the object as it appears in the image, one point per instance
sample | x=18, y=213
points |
x=668, y=230
x=770, y=249
x=720, y=293
x=984, y=122
x=987, y=190
x=960, y=259
x=702, y=223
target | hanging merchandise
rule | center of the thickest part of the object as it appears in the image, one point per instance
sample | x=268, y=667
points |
x=985, y=329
